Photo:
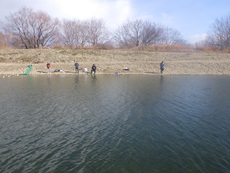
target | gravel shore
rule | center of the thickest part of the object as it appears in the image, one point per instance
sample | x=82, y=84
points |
x=15, y=61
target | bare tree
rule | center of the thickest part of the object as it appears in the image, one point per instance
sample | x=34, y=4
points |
x=137, y=33
x=75, y=33
x=32, y=29
x=98, y=32
x=87, y=32
x=69, y=28
x=84, y=33
x=171, y=36
x=219, y=35
x=129, y=34
x=4, y=40
x=152, y=33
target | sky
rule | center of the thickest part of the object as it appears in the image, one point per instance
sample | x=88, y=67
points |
x=192, y=18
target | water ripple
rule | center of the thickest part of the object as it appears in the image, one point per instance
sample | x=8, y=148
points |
x=115, y=124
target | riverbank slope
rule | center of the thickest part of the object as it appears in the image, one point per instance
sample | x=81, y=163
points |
x=15, y=61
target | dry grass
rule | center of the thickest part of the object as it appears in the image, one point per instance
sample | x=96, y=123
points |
x=166, y=48
x=146, y=61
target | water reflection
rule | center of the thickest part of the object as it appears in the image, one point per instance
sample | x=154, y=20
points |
x=77, y=79
x=85, y=123
x=28, y=77
x=49, y=79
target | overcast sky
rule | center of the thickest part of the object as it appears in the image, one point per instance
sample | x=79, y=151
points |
x=192, y=18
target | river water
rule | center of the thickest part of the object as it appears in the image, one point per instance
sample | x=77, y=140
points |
x=115, y=124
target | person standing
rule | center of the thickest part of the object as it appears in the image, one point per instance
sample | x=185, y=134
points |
x=94, y=68
x=48, y=65
x=162, y=66
x=76, y=67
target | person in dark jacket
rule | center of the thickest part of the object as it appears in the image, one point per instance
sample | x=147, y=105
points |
x=162, y=66
x=94, y=68
x=76, y=67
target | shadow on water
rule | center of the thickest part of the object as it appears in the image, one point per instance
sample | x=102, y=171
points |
x=42, y=71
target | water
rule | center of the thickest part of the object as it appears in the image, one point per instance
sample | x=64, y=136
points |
x=115, y=124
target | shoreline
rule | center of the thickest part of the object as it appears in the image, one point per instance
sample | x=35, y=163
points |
x=152, y=68
x=15, y=61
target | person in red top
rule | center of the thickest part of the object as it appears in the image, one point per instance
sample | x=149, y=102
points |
x=48, y=67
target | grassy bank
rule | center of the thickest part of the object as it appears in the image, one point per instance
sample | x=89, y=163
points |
x=15, y=61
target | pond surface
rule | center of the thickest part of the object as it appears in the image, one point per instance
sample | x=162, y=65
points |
x=115, y=124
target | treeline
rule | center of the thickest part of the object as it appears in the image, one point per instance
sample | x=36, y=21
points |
x=28, y=29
